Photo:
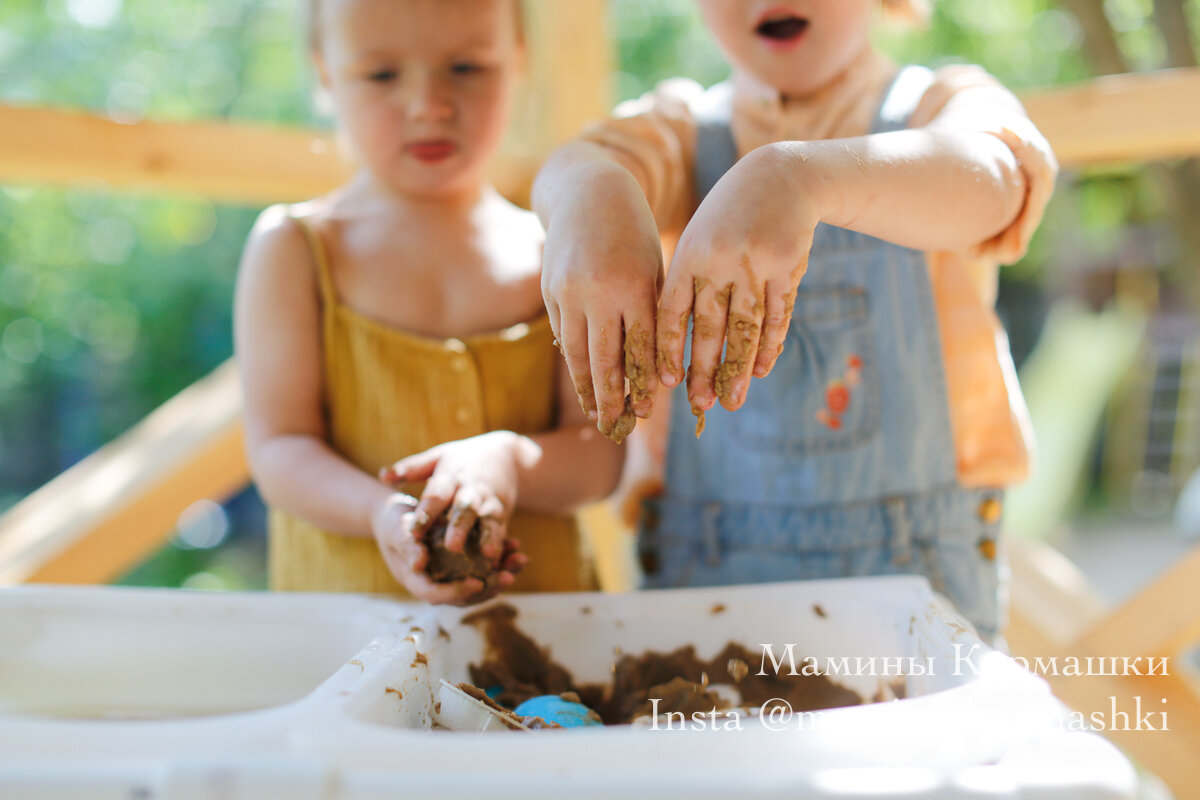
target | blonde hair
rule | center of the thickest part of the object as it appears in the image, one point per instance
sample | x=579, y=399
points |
x=911, y=13
x=311, y=11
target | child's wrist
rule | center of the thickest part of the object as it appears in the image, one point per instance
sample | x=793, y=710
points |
x=797, y=171
x=388, y=507
x=604, y=185
x=521, y=450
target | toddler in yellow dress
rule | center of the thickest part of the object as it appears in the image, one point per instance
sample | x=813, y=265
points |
x=397, y=324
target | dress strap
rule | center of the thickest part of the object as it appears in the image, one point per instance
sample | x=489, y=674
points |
x=324, y=278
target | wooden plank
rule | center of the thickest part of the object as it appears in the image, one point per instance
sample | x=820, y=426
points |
x=1162, y=619
x=1055, y=614
x=1135, y=117
x=1170, y=755
x=612, y=546
x=253, y=164
x=229, y=162
x=225, y=161
x=1138, y=117
x=1051, y=601
x=569, y=67
x=105, y=514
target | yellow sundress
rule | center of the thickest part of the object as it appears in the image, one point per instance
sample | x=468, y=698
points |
x=390, y=394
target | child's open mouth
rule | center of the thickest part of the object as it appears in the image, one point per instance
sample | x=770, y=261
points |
x=782, y=30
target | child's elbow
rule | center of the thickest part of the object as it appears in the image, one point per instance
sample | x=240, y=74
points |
x=608, y=469
x=601, y=463
x=271, y=463
x=1012, y=188
x=611, y=476
x=261, y=463
x=1022, y=169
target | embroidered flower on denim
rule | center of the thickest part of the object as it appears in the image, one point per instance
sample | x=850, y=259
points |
x=838, y=394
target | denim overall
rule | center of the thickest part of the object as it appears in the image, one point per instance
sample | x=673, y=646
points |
x=841, y=461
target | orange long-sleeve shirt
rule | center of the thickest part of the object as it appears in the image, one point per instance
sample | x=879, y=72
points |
x=654, y=137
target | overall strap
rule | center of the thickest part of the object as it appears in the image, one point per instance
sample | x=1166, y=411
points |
x=320, y=259
x=716, y=152
x=902, y=98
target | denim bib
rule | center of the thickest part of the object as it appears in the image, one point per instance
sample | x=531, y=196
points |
x=841, y=461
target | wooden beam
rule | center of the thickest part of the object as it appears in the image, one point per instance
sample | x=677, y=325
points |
x=570, y=63
x=1051, y=601
x=1163, y=618
x=104, y=515
x=1171, y=754
x=1056, y=615
x=225, y=161
x=1135, y=117
x=566, y=86
x=253, y=164
x=230, y=162
x=1142, y=117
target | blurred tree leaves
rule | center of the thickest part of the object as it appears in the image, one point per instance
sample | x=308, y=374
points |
x=111, y=303
x=117, y=300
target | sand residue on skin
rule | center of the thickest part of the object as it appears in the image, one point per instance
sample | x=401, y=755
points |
x=862, y=165
x=741, y=348
x=585, y=392
x=724, y=296
x=668, y=339
x=740, y=330
x=637, y=341
x=773, y=352
x=703, y=329
x=610, y=380
x=760, y=289
x=697, y=411
x=624, y=424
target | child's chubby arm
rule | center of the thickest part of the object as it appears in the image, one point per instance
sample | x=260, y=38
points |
x=604, y=199
x=487, y=477
x=973, y=176
x=277, y=325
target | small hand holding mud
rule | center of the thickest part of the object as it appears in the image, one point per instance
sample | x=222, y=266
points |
x=458, y=548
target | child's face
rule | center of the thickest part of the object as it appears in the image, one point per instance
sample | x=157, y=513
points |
x=421, y=87
x=794, y=46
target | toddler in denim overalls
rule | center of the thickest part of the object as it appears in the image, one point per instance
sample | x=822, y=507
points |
x=841, y=461
x=878, y=439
